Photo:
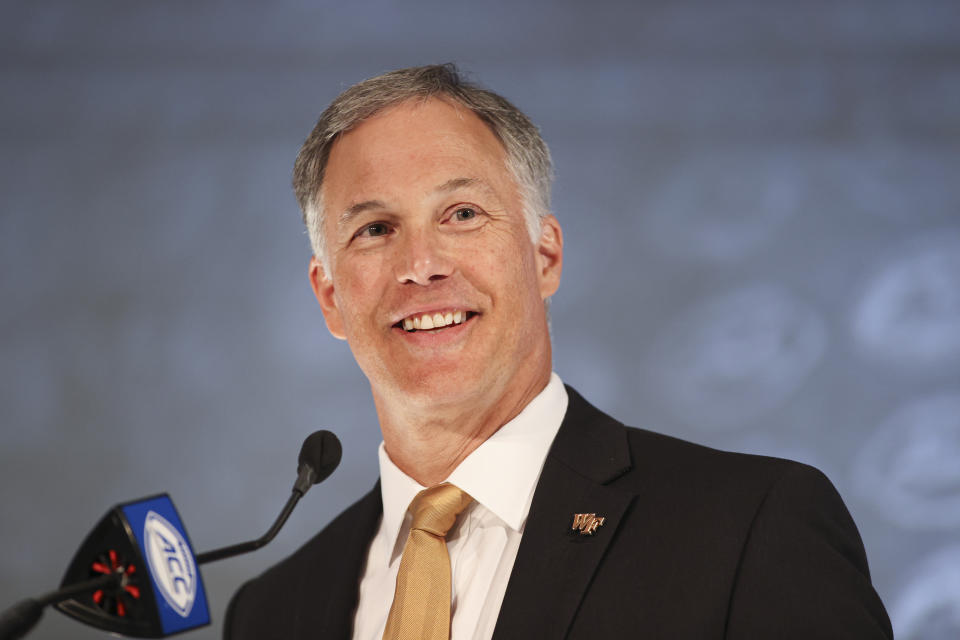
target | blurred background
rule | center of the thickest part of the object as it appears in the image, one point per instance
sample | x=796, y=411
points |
x=761, y=204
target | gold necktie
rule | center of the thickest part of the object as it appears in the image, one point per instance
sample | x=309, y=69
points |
x=421, y=603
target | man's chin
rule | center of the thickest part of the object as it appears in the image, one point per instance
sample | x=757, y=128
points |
x=438, y=389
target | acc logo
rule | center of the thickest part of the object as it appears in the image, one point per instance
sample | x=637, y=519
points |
x=171, y=563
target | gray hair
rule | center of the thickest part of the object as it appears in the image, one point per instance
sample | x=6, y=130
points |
x=528, y=158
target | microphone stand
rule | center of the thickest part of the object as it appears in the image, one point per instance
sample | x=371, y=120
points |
x=21, y=617
x=319, y=456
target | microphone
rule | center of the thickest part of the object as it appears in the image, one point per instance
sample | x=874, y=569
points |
x=136, y=573
x=319, y=456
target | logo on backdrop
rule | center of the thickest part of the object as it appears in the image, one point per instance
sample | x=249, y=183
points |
x=929, y=605
x=171, y=563
x=737, y=355
x=908, y=467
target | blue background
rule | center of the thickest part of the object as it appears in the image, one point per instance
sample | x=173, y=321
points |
x=762, y=219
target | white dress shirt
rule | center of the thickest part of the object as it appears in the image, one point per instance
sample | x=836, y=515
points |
x=501, y=475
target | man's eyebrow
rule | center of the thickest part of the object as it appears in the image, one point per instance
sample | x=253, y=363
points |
x=459, y=183
x=356, y=209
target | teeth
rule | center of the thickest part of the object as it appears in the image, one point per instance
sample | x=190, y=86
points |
x=433, y=321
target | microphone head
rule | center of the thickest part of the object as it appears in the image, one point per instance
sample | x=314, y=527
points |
x=320, y=452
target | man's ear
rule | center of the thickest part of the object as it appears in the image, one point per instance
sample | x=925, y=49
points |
x=323, y=290
x=549, y=256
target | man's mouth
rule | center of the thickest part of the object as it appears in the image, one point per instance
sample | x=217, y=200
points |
x=434, y=321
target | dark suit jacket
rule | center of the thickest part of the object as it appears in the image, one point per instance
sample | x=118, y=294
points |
x=697, y=543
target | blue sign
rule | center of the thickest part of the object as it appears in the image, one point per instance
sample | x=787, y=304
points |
x=181, y=599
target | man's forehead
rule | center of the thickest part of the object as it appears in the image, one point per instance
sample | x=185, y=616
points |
x=434, y=124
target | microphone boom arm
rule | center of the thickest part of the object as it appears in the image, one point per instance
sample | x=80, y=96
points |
x=319, y=456
x=252, y=545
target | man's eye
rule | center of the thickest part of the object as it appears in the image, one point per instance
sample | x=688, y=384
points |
x=464, y=213
x=374, y=229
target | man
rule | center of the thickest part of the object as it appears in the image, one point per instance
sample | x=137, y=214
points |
x=427, y=201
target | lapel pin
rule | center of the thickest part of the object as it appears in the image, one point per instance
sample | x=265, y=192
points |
x=587, y=523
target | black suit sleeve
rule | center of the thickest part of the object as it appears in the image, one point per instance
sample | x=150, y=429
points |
x=803, y=571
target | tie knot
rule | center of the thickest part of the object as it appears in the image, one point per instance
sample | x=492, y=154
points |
x=436, y=509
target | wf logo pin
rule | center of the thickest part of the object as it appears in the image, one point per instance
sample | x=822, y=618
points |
x=587, y=523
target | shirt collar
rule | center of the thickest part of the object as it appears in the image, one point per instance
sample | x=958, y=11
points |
x=501, y=474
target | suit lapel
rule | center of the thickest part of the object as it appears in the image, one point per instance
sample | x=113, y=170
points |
x=331, y=614
x=555, y=563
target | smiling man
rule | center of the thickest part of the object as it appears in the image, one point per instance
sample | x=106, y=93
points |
x=430, y=273
x=508, y=506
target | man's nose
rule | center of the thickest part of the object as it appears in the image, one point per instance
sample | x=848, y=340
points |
x=422, y=257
